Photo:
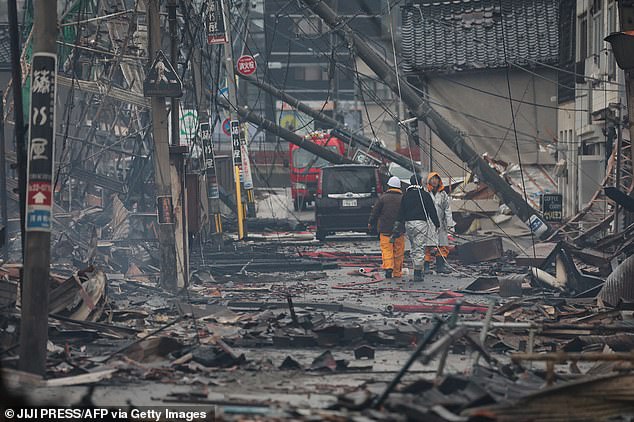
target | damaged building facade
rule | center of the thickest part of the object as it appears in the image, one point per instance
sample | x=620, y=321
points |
x=592, y=101
x=456, y=53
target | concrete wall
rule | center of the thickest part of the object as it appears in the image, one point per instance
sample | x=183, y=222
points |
x=486, y=119
x=567, y=155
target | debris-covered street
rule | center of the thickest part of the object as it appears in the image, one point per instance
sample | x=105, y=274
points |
x=309, y=210
x=321, y=334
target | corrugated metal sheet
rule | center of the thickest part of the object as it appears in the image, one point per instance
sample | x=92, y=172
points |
x=620, y=284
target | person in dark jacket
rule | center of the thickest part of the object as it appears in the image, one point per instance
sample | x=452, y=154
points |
x=382, y=218
x=417, y=214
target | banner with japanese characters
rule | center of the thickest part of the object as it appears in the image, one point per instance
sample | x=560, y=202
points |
x=235, y=143
x=39, y=203
x=209, y=161
x=245, y=172
x=215, y=23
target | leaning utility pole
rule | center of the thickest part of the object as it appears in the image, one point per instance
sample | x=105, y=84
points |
x=233, y=102
x=292, y=137
x=425, y=112
x=38, y=215
x=339, y=130
x=162, y=174
x=177, y=164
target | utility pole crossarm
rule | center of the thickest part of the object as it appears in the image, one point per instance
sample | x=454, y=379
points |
x=423, y=111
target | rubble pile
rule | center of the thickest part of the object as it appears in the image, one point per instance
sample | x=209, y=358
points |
x=501, y=336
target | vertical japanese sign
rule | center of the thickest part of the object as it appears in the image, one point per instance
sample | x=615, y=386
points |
x=247, y=178
x=209, y=161
x=235, y=143
x=215, y=23
x=39, y=203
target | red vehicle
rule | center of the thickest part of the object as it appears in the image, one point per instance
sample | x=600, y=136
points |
x=304, y=167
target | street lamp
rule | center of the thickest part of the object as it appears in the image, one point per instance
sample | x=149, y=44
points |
x=623, y=48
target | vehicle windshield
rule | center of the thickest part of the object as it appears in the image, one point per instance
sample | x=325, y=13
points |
x=303, y=158
x=400, y=172
x=344, y=180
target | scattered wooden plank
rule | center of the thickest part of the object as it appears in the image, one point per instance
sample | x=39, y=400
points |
x=89, y=378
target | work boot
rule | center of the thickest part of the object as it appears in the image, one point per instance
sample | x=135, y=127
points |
x=427, y=267
x=441, y=267
x=388, y=273
x=418, y=276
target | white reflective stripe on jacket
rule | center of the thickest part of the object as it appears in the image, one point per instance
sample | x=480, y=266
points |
x=443, y=208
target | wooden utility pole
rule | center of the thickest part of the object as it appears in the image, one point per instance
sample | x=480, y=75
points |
x=421, y=108
x=233, y=102
x=162, y=173
x=38, y=218
x=3, y=186
x=18, y=111
x=208, y=166
x=177, y=164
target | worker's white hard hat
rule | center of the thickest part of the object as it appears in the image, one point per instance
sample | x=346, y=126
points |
x=394, y=182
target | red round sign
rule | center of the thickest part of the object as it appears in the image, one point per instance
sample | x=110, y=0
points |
x=246, y=65
x=226, y=127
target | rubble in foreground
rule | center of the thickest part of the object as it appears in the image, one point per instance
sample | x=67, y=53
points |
x=312, y=330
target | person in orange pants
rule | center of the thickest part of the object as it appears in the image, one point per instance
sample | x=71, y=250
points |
x=382, y=218
x=432, y=253
x=393, y=254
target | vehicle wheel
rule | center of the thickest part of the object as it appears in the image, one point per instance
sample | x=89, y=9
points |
x=321, y=236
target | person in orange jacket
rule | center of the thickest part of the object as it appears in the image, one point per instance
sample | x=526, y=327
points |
x=382, y=218
x=441, y=199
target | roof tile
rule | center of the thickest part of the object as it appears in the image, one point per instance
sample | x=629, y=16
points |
x=468, y=34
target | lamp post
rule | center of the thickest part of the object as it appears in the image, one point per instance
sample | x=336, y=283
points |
x=622, y=44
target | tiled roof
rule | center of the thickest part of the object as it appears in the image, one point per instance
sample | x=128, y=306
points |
x=440, y=36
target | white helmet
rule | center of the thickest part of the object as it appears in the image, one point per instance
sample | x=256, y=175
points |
x=394, y=182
